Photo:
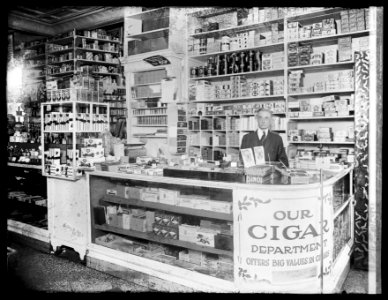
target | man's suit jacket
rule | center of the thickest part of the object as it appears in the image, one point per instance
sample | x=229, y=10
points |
x=273, y=146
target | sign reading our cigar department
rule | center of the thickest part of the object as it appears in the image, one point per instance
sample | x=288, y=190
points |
x=279, y=237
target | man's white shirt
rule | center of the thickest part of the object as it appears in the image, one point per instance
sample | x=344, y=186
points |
x=261, y=131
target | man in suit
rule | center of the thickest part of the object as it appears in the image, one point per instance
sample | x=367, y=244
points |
x=271, y=141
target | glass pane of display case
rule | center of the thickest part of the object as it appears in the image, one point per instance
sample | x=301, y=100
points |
x=185, y=226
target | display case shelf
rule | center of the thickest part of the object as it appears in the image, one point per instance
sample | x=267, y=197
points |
x=36, y=56
x=341, y=208
x=152, y=238
x=171, y=208
x=60, y=62
x=314, y=14
x=62, y=73
x=151, y=125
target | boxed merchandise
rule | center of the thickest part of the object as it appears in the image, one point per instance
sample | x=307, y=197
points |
x=221, y=206
x=205, y=237
x=223, y=241
x=188, y=233
x=138, y=223
x=126, y=220
x=344, y=49
x=132, y=192
x=149, y=196
x=111, y=192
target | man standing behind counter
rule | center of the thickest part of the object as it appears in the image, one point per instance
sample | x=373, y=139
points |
x=271, y=141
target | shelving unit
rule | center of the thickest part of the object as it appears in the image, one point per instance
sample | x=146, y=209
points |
x=73, y=114
x=200, y=53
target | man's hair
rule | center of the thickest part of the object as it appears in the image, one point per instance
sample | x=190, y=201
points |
x=264, y=109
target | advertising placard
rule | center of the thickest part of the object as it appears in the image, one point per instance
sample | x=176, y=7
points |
x=278, y=240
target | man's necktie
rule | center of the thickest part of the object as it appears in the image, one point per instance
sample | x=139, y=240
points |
x=262, y=137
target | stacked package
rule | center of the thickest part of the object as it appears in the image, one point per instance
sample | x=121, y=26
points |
x=92, y=152
x=328, y=27
x=275, y=29
x=360, y=44
x=166, y=225
x=316, y=29
x=293, y=58
x=344, y=49
x=277, y=60
x=328, y=104
x=330, y=54
x=239, y=87
x=278, y=87
x=342, y=107
x=346, y=80
x=295, y=81
x=293, y=30
x=316, y=58
x=304, y=53
x=203, y=90
x=305, y=32
x=324, y=134
x=266, y=61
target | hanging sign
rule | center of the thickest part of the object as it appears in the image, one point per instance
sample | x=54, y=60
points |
x=157, y=60
x=278, y=239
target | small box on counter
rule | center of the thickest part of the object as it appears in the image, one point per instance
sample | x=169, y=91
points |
x=138, y=223
x=223, y=241
x=188, y=233
x=132, y=192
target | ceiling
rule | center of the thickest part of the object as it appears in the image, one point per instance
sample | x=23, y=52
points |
x=51, y=15
x=52, y=20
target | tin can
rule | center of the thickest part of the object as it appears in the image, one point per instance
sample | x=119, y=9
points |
x=193, y=72
x=200, y=71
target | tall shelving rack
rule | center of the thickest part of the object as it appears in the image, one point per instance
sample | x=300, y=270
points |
x=197, y=19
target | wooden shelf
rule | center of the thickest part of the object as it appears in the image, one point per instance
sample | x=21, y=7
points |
x=323, y=66
x=150, y=115
x=273, y=47
x=323, y=143
x=97, y=39
x=34, y=67
x=331, y=37
x=60, y=51
x=146, y=84
x=146, y=14
x=154, y=125
x=151, y=136
x=26, y=166
x=36, y=56
x=314, y=14
x=60, y=62
x=151, y=237
x=171, y=208
x=96, y=62
x=69, y=102
x=321, y=93
x=149, y=34
x=151, y=97
x=234, y=115
x=96, y=50
x=321, y=118
x=238, y=99
x=106, y=74
x=234, y=29
x=61, y=73
x=265, y=72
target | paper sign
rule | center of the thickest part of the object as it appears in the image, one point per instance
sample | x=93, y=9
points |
x=157, y=60
x=248, y=158
x=259, y=155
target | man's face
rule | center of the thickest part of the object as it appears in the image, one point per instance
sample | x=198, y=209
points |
x=264, y=119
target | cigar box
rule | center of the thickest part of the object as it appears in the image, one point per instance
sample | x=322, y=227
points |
x=126, y=221
x=150, y=196
x=132, y=192
x=187, y=233
x=138, y=223
x=205, y=237
x=223, y=241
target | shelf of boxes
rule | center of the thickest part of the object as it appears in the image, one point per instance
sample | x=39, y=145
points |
x=238, y=99
x=323, y=143
x=332, y=37
x=323, y=66
x=95, y=50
